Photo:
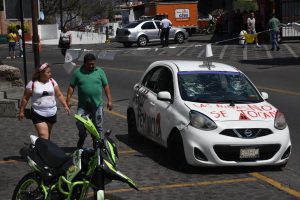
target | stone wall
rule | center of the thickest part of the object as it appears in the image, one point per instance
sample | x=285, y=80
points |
x=11, y=90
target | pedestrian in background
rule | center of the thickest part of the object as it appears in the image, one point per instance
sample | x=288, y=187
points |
x=165, y=26
x=273, y=25
x=12, y=40
x=90, y=81
x=65, y=40
x=42, y=89
x=20, y=39
x=251, y=26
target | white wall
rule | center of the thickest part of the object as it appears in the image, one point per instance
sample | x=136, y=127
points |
x=48, y=31
x=49, y=34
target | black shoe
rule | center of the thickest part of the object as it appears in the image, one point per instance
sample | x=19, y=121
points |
x=272, y=49
x=278, y=48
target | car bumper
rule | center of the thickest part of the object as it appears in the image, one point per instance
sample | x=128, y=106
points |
x=209, y=148
x=125, y=39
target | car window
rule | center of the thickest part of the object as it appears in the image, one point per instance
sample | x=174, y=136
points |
x=165, y=81
x=157, y=24
x=151, y=79
x=208, y=86
x=148, y=25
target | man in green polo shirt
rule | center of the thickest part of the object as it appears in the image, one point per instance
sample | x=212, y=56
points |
x=90, y=80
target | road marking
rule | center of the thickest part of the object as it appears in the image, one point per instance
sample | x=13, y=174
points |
x=201, y=53
x=118, y=69
x=291, y=50
x=267, y=51
x=185, y=49
x=223, y=52
x=116, y=114
x=182, y=185
x=276, y=184
x=279, y=91
x=8, y=161
x=245, y=55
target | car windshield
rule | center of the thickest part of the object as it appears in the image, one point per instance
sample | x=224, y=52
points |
x=217, y=87
x=132, y=25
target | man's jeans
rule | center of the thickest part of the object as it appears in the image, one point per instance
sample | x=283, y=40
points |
x=96, y=115
x=274, y=38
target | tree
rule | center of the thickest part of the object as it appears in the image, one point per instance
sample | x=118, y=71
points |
x=73, y=10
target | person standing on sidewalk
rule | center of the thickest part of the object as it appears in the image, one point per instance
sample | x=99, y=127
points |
x=165, y=26
x=65, y=40
x=251, y=27
x=90, y=81
x=20, y=40
x=12, y=40
x=273, y=25
x=42, y=89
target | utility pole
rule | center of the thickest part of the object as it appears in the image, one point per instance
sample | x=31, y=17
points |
x=23, y=41
x=61, y=16
x=35, y=36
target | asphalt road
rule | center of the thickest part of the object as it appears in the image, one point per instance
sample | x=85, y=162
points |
x=275, y=72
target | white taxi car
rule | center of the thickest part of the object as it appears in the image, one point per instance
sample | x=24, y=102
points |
x=207, y=114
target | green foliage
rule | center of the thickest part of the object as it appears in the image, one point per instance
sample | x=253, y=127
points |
x=13, y=27
x=246, y=5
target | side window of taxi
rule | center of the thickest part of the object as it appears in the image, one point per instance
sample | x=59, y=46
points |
x=165, y=82
x=150, y=80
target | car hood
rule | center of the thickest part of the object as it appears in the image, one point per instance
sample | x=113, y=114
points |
x=224, y=112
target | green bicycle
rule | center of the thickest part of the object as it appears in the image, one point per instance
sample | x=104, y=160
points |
x=58, y=176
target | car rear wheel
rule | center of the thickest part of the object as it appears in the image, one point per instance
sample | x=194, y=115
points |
x=142, y=41
x=175, y=151
x=131, y=123
x=127, y=44
x=179, y=38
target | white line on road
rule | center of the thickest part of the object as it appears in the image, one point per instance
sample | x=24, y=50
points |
x=291, y=50
x=185, y=49
x=245, y=56
x=223, y=52
x=267, y=51
x=201, y=53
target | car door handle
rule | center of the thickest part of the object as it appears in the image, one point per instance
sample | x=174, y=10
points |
x=152, y=104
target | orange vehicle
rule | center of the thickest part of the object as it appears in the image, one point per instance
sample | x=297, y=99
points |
x=181, y=14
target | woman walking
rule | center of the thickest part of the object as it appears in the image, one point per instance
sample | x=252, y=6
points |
x=42, y=89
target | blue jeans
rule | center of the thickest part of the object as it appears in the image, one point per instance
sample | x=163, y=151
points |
x=274, y=39
x=96, y=115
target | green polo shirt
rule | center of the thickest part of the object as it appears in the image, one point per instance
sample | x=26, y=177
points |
x=89, y=85
x=274, y=24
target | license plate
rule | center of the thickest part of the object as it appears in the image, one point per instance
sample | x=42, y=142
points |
x=249, y=153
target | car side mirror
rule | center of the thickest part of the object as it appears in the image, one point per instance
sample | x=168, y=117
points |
x=265, y=95
x=164, y=96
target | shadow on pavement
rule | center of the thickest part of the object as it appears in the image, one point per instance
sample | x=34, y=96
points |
x=275, y=62
x=159, y=155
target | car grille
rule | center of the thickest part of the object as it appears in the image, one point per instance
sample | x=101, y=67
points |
x=232, y=153
x=247, y=133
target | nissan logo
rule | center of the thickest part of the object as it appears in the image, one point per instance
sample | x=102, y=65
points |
x=248, y=132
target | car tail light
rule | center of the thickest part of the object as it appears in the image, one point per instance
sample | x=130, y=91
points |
x=127, y=32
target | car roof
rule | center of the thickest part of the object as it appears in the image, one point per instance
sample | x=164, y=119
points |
x=186, y=65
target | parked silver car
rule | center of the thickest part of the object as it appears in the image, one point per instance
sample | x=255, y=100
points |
x=143, y=32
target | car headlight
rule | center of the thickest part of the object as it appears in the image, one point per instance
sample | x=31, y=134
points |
x=201, y=121
x=280, y=122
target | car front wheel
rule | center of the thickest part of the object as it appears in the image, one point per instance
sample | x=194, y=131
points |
x=175, y=151
x=179, y=38
x=142, y=41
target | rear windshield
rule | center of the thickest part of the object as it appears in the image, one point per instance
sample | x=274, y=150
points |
x=132, y=25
